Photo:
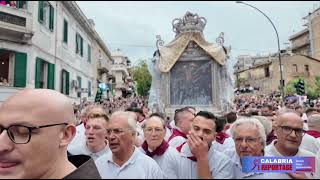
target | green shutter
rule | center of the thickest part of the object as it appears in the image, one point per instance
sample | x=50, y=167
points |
x=51, y=18
x=19, y=4
x=65, y=31
x=81, y=46
x=20, y=70
x=77, y=44
x=38, y=72
x=40, y=15
x=68, y=82
x=51, y=73
x=89, y=53
x=79, y=85
x=61, y=80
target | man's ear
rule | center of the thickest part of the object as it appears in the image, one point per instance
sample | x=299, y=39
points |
x=67, y=135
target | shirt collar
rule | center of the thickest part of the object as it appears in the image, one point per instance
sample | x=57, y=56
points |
x=131, y=160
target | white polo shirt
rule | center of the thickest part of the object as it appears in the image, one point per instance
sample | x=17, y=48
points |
x=271, y=150
x=227, y=144
x=139, y=166
x=177, y=140
x=168, y=162
x=83, y=149
x=220, y=165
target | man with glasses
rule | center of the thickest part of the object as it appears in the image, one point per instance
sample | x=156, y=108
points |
x=36, y=126
x=125, y=160
x=157, y=148
x=289, y=130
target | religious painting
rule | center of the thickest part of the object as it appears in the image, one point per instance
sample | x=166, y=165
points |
x=191, y=83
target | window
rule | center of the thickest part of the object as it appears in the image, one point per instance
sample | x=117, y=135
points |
x=89, y=53
x=65, y=82
x=21, y=4
x=79, y=44
x=306, y=68
x=45, y=74
x=65, y=31
x=46, y=14
x=89, y=88
x=266, y=72
x=79, y=86
x=294, y=68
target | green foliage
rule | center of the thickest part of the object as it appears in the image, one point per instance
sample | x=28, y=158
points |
x=142, y=77
x=312, y=91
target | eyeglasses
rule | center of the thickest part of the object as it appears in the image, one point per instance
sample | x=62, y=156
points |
x=20, y=134
x=116, y=131
x=288, y=130
x=156, y=130
x=248, y=140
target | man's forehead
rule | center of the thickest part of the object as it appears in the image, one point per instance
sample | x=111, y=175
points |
x=202, y=121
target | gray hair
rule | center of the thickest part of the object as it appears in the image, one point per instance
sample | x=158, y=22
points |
x=131, y=121
x=250, y=121
x=163, y=122
x=266, y=123
x=314, y=120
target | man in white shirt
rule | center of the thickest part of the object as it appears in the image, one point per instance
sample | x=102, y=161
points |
x=183, y=118
x=200, y=159
x=289, y=130
x=95, y=144
x=157, y=148
x=125, y=160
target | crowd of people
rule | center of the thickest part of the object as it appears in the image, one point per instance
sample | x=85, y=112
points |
x=45, y=139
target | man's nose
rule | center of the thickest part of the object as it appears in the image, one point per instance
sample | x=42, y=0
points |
x=6, y=144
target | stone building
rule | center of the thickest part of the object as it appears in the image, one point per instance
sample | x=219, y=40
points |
x=122, y=82
x=307, y=41
x=49, y=44
x=266, y=76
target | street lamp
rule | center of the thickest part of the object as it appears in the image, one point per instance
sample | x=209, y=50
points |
x=279, y=51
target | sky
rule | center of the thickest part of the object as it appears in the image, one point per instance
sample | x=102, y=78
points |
x=132, y=26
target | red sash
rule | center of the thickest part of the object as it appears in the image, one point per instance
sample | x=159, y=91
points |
x=175, y=133
x=160, y=150
x=179, y=150
x=313, y=133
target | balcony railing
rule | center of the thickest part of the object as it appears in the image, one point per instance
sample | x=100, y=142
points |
x=15, y=22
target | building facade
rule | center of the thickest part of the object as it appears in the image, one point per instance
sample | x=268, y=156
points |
x=266, y=76
x=49, y=44
x=122, y=83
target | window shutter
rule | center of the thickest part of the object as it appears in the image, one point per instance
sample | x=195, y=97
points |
x=81, y=46
x=38, y=72
x=65, y=31
x=51, y=72
x=19, y=4
x=51, y=18
x=89, y=89
x=89, y=53
x=61, y=80
x=79, y=85
x=68, y=82
x=77, y=43
x=40, y=15
x=20, y=70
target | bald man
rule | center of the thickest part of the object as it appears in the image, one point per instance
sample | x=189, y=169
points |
x=289, y=130
x=36, y=126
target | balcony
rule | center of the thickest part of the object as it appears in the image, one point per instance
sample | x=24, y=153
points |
x=300, y=74
x=120, y=67
x=15, y=24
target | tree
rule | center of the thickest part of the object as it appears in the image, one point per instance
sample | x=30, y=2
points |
x=312, y=91
x=142, y=77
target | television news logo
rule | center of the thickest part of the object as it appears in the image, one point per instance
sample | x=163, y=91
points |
x=278, y=164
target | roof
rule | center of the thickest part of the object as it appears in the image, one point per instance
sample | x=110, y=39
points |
x=170, y=53
x=300, y=33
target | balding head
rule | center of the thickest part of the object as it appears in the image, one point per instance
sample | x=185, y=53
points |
x=47, y=105
x=39, y=125
x=289, y=117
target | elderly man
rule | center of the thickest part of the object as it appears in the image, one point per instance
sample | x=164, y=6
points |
x=183, y=119
x=36, y=126
x=250, y=140
x=289, y=130
x=199, y=158
x=95, y=144
x=125, y=160
x=157, y=148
